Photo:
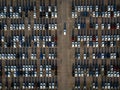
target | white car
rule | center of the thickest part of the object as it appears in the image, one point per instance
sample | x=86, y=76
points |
x=78, y=26
x=78, y=8
x=118, y=25
x=96, y=38
x=88, y=8
x=2, y=39
x=87, y=43
x=22, y=26
x=96, y=26
x=118, y=74
x=8, y=74
x=23, y=56
x=118, y=13
x=11, y=27
x=78, y=56
x=37, y=26
x=55, y=8
x=5, y=27
x=40, y=9
x=46, y=38
x=23, y=38
x=40, y=26
x=50, y=26
x=34, y=8
x=96, y=8
x=106, y=38
x=94, y=56
x=85, y=56
x=55, y=14
x=118, y=37
x=109, y=8
x=16, y=15
x=44, y=44
x=38, y=44
x=78, y=38
x=29, y=27
x=53, y=44
x=64, y=31
x=72, y=14
x=11, y=9
x=73, y=44
x=55, y=26
x=88, y=38
x=49, y=38
x=78, y=44
x=49, y=8
x=102, y=56
x=34, y=15
x=81, y=9
x=50, y=56
x=93, y=14
x=115, y=14
x=109, y=37
x=96, y=73
x=82, y=38
x=5, y=9
x=20, y=10
x=52, y=14
x=108, y=26
x=14, y=45
x=46, y=14
x=96, y=44
x=111, y=44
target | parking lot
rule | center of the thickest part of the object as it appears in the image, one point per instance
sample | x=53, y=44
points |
x=59, y=44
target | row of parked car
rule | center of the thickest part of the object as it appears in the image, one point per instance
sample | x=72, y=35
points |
x=33, y=56
x=15, y=26
x=31, y=71
x=103, y=53
x=27, y=84
x=97, y=14
x=107, y=40
x=41, y=85
x=46, y=11
x=22, y=41
x=97, y=11
x=83, y=69
x=92, y=25
x=81, y=8
x=95, y=84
